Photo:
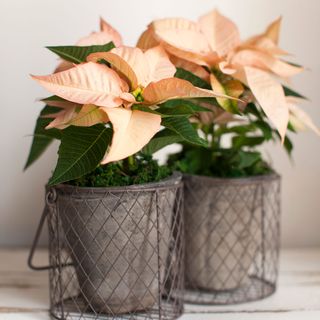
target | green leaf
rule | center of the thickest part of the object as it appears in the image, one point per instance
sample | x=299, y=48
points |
x=52, y=98
x=265, y=129
x=293, y=64
x=77, y=54
x=145, y=109
x=172, y=104
x=80, y=151
x=183, y=127
x=248, y=159
x=239, y=129
x=291, y=127
x=174, y=108
x=288, y=145
x=247, y=128
x=42, y=138
x=219, y=85
x=179, y=110
x=161, y=140
x=196, y=160
x=292, y=93
x=242, y=141
x=251, y=108
x=166, y=112
x=189, y=76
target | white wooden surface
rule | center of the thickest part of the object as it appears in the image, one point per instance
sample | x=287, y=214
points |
x=24, y=293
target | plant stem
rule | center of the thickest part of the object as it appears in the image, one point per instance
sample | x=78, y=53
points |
x=213, y=137
x=131, y=161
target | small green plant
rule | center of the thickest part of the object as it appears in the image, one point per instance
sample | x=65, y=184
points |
x=224, y=163
x=109, y=103
x=252, y=70
x=136, y=169
x=232, y=147
x=221, y=100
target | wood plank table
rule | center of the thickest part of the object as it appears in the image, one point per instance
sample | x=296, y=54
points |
x=24, y=293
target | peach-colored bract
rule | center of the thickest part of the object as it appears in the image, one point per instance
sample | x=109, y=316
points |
x=214, y=41
x=107, y=34
x=151, y=72
x=89, y=115
x=77, y=115
x=272, y=101
x=132, y=130
x=67, y=113
x=220, y=32
x=232, y=88
x=173, y=88
x=299, y=119
x=140, y=68
x=182, y=38
x=89, y=83
x=191, y=67
x=96, y=93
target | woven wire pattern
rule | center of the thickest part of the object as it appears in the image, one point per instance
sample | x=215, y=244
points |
x=232, y=238
x=116, y=253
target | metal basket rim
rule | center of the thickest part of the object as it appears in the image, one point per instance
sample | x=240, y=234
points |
x=174, y=180
x=234, y=181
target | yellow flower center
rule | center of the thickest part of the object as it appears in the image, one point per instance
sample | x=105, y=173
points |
x=137, y=93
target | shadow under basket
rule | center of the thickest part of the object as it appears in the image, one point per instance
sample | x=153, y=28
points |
x=115, y=253
x=232, y=238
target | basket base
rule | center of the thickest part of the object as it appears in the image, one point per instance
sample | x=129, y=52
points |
x=254, y=289
x=75, y=309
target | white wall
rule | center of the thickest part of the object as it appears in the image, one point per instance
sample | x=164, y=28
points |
x=27, y=26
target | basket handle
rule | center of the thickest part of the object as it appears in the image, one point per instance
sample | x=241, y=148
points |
x=36, y=241
x=51, y=198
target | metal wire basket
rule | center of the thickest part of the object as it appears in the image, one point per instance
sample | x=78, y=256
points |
x=116, y=253
x=232, y=238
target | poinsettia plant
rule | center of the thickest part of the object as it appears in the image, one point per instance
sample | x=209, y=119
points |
x=109, y=102
x=210, y=54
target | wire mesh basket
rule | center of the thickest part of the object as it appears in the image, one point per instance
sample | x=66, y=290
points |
x=231, y=238
x=116, y=253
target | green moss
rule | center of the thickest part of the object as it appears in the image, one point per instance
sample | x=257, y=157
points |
x=223, y=163
x=133, y=170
